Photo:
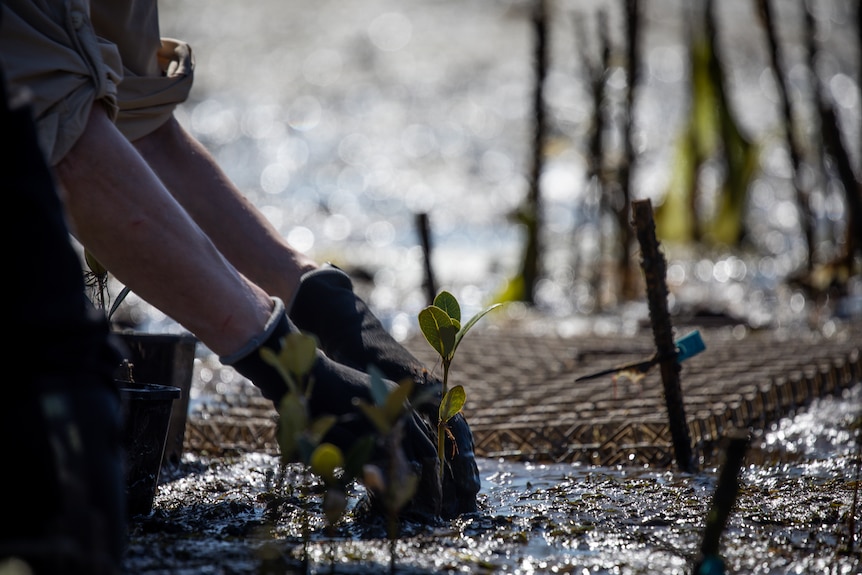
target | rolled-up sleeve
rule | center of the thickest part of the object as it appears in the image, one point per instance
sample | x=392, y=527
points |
x=70, y=54
x=51, y=51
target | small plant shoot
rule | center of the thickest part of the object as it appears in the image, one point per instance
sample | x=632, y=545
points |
x=298, y=434
x=387, y=414
x=441, y=325
x=97, y=281
x=301, y=437
x=398, y=483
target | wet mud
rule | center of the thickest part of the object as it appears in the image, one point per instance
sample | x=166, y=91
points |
x=248, y=514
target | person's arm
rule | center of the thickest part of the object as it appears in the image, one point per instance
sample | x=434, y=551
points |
x=319, y=299
x=236, y=226
x=122, y=213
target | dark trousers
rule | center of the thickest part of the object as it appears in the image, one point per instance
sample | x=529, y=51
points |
x=62, y=509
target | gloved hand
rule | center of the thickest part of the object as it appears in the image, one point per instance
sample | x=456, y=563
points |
x=326, y=306
x=336, y=387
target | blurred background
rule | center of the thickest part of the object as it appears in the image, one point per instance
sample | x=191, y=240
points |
x=521, y=130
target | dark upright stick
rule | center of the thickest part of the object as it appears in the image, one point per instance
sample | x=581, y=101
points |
x=533, y=209
x=425, y=236
x=789, y=127
x=833, y=146
x=723, y=500
x=655, y=269
x=633, y=65
x=597, y=73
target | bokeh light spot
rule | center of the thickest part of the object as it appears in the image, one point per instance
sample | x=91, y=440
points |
x=390, y=32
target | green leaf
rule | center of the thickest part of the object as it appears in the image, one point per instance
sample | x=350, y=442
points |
x=95, y=265
x=396, y=403
x=294, y=361
x=358, y=455
x=448, y=339
x=118, y=300
x=452, y=402
x=274, y=360
x=298, y=354
x=320, y=427
x=447, y=302
x=472, y=322
x=325, y=460
x=379, y=389
x=376, y=415
x=291, y=424
x=438, y=329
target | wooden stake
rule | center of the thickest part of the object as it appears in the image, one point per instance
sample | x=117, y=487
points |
x=723, y=500
x=655, y=269
x=430, y=283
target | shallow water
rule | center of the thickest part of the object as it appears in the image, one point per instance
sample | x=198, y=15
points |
x=228, y=515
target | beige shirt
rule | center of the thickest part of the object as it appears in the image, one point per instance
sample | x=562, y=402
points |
x=69, y=54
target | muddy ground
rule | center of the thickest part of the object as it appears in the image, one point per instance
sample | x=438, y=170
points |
x=795, y=514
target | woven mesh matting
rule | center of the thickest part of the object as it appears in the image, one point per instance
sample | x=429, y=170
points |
x=523, y=401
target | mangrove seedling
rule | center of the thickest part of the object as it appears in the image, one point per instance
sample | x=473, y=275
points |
x=298, y=433
x=441, y=325
x=300, y=437
x=398, y=485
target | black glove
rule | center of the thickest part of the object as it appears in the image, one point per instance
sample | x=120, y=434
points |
x=326, y=306
x=336, y=387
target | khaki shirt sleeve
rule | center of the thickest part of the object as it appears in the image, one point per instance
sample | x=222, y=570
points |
x=50, y=50
x=69, y=55
x=157, y=72
x=146, y=102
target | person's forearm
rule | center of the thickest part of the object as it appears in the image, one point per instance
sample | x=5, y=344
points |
x=120, y=211
x=238, y=229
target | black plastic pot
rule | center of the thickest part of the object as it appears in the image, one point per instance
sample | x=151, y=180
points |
x=147, y=415
x=165, y=359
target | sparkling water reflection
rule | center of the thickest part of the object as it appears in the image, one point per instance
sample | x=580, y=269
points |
x=341, y=122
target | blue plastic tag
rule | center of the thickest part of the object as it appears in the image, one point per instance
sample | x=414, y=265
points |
x=689, y=345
